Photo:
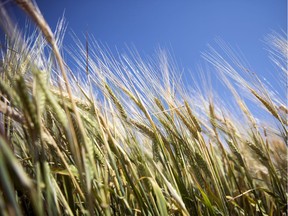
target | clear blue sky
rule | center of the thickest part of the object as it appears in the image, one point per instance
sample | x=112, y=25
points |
x=185, y=27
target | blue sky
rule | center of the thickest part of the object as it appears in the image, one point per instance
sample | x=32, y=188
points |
x=185, y=26
x=181, y=26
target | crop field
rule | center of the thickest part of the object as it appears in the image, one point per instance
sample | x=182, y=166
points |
x=124, y=136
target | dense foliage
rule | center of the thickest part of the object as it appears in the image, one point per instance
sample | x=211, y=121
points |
x=123, y=136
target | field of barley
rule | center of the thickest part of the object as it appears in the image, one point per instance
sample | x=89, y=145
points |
x=123, y=136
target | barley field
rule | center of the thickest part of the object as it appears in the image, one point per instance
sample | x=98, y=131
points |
x=123, y=136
